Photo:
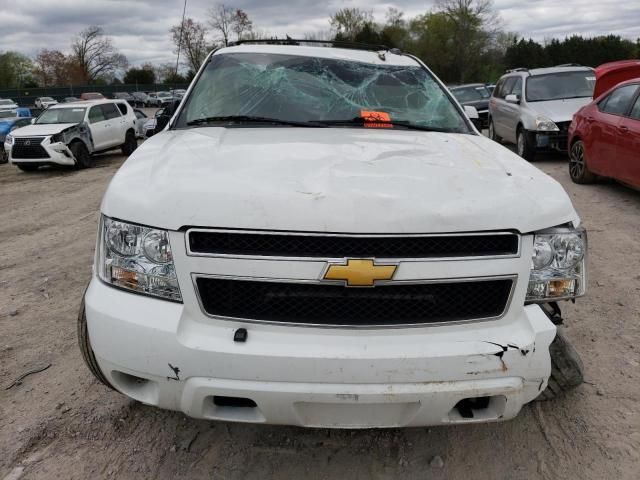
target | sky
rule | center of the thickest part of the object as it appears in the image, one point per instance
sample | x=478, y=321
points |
x=139, y=28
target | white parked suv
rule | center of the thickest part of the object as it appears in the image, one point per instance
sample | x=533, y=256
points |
x=321, y=238
x=70, y=133
x=533, y=108
x=45, y=102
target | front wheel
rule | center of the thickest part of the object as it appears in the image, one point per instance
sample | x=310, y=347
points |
x=492, y=132
x=566, y=368
x=81, y=154
x=4, y=158
x=524, y=145
x=578, y=169
x=130, y=144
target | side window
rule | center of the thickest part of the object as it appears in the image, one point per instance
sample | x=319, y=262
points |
x=96, y=115
x=498, y=88
x=506, y=87
x=617, y=102
x=635, y=111
x=517, y=87
x=123, y=108
x=110, y=111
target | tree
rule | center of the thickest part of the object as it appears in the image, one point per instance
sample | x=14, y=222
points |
x=348, y=22
x=143, y=75
x=221, y=20
x=15, y=70
x=95, y=54
x=190, y=40
x=226, y=20
x=473, y=24
x=51, y=67
x=241, y=24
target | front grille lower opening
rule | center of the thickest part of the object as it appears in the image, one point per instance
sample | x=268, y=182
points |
x=336, y=305
x=221, y=401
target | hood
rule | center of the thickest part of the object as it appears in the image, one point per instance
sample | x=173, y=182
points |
x=347, y=180
x=560, y=110
x=41, y=130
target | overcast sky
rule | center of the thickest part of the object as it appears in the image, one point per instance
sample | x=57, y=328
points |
x=139, y=28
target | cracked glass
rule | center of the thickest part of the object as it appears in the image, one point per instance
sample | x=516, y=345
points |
x=312, y=89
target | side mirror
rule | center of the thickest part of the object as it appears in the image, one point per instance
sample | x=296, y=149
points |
x=511, y=98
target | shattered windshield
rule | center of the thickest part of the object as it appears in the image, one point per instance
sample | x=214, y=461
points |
x=293, y=88
x=558, y=86
x=62, y=115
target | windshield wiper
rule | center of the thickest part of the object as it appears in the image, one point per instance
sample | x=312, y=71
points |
x=250, y=119
x=362, y=122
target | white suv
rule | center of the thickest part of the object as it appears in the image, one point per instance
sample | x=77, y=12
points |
x=533, y=108
x=69, y=134
x=321, y=238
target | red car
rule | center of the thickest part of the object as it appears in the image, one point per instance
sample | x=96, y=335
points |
x=604, y=136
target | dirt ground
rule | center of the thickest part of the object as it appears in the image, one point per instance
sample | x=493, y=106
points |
x=61, y=423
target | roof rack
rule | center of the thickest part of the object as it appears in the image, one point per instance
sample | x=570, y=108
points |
x=569, y=65
x=519, y=69
x=333, y=43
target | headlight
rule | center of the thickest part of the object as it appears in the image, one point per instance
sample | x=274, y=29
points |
x=137, y=258
x=9, y=139
x=57, y=138
x=544, y=124
x=558, y=265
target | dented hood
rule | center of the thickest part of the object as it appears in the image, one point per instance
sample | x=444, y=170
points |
x=333, y=180
x=40, y=130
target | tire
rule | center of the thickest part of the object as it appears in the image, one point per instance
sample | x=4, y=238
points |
x=566, y=368
x=130, y=143
x=81, y=155
x=85, y=348
x=26, y=167
x=492, y=132
x=524, y=148
x=578, y=170
x=4, y=158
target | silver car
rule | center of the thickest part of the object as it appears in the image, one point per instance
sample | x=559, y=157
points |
x=533, y=108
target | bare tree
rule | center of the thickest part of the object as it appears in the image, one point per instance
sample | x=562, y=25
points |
x=191, y=41
x=221, y=19
x=95, y=54
x=241, y=24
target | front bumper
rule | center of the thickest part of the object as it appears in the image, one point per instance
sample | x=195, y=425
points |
x=164, y=354
x=56, y=153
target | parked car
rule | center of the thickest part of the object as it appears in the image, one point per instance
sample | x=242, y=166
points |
x=140, y=99
x=92, y=96
x=533, y=108
x=160, y=99
x=70, y=99
x=45, y=102
x=475, y=95
x=342, y=258
x=7, y=125
x=177, y=94
x=7, y=105
x=124, y=96
x=69, y=134
x=604, y=136
x=141, y=119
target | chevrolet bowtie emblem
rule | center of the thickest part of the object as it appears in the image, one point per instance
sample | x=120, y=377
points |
x=359, y=273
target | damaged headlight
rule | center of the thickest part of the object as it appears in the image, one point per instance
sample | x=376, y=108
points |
x=8, y=140
x=137, y=258
x=544, y=124
x=558, y=265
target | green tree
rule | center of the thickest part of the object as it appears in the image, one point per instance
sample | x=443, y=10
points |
x=15, y=70
x=348, y=22
x=143, y=75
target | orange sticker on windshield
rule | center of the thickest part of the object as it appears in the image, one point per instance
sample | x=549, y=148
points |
x=376, y=119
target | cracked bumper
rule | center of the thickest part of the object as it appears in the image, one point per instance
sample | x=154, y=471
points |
x=317, y=377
